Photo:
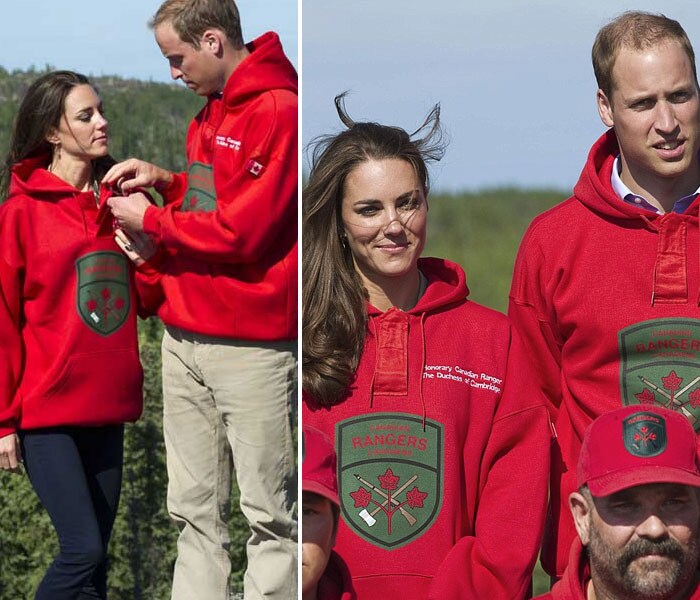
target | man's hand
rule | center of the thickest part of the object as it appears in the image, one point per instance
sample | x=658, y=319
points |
x=128, y=211
x=133, y=173
x=10, y=454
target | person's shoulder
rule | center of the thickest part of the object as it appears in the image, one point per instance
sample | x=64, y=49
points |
x=554, y=224
x=17, y=204
x=560, y=214
x=278, y=102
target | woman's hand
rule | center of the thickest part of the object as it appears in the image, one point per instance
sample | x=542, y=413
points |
x=138, y=246
x=10, y=453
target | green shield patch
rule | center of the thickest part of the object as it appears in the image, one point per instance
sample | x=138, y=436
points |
x=103, y=294
x=644, y=434
x=660, y=365
x=200, y=195
x=390, y=476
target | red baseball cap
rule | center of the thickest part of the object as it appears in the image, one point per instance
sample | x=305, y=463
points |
x=318, y=464
x=635, y=445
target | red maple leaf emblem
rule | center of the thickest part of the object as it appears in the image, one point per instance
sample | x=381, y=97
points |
x=646, y=397
x=415, y=497
x=694, y=397
x=361, y=497
x=91, y=305
x=106, y=293
x=644, y=435
x=119, y=303
x=388, y=481
x=672, y=382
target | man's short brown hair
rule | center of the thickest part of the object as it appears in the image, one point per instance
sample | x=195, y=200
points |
x=191, y=18
x=634, y=30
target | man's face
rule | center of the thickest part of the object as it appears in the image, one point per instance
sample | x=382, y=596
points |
x=317, y=540
x=654, y=109
x=643, y=542
x=198, y=68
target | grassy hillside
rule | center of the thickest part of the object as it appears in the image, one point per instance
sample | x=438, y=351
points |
x=481, y=231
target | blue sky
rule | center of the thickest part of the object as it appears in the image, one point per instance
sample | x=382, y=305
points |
x=111, y=37
x=513, y=77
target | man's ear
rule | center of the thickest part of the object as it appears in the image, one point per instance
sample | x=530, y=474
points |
x=580, y=510
x=605, y=109
x=212, y=41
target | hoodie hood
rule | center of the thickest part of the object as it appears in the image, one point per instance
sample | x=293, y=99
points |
x=446, y=284
x=30, y=178
x=595, y=191
x=265, y=69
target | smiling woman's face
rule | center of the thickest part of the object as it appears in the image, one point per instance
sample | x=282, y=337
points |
x=384, y=213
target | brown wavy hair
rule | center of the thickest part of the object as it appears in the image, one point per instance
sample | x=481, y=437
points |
x=334, y=317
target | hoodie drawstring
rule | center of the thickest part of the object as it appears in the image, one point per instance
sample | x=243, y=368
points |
x=422, y=368
x=373, y=328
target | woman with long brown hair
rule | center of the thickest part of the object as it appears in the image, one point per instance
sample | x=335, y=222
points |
x=443, y=444
x=70, y=374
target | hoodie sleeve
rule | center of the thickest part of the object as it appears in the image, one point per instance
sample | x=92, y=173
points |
x=11, y=348
x=255, y=206
x=530, y=312
x=497, y=561
x=147, y=281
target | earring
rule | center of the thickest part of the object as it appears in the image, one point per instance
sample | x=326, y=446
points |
x=344, y=240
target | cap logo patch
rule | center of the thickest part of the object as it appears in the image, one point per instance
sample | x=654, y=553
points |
x=644, y=434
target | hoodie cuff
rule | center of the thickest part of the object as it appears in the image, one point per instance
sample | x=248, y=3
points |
x=7, y=428
x=150, y=221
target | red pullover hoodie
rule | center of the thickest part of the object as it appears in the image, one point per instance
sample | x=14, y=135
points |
x=606, y=297
x=69, y=352
x=230, y=224
x=336, y=583
x=443, y=452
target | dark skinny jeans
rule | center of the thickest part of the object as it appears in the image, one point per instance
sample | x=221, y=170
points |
x=76, y=472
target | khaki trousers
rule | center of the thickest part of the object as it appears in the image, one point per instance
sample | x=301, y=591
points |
x=230, y=402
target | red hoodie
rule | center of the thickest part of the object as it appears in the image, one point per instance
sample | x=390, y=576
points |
x=231, y=220
x=69, y=352
x=574, y=584
x=606, y=296
x=336, y=583
x=443, y=452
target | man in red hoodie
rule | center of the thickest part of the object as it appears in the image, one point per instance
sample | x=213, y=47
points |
x=637, y=511
x=230, y=283
x=607, y=284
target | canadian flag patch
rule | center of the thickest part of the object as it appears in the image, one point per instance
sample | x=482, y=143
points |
x=254, y=167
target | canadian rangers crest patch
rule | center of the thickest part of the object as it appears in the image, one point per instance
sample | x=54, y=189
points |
x=644, y=434
x=103, y=294
x=660, y=365
x=390, y=476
